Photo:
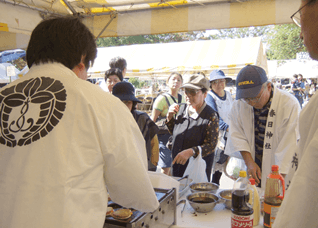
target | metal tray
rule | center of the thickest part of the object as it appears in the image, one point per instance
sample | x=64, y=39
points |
x=165, y=214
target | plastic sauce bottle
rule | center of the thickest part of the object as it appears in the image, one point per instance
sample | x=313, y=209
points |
x=274, y=194
x=256, y=202
x=242, y=211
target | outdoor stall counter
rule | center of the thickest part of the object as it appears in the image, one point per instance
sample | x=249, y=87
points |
x=219, y=217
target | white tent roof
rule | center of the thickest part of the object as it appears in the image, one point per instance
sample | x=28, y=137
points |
x=308, y=68
x=3, y=73
x=191, y=56
x=140, y=17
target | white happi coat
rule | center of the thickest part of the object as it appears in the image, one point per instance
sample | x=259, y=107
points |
x=62, y=141
x=281, y=132
x=300, y=205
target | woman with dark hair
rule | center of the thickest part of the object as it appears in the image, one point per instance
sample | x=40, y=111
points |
x=159, y=112
x=194, y=127
x=126, y=93
x=113, y=76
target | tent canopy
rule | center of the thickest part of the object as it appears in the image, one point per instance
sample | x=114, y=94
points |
x=140, y=17
x=190, y=56
x=308, y=68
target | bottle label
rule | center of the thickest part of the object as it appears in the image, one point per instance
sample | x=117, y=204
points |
x=270, y=212
x=239, y=221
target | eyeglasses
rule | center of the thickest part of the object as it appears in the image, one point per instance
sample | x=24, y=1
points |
x=218, y=81
x=254, y=99
x=296, y=16
x=191, y=92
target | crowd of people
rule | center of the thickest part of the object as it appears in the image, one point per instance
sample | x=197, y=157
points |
x=65, y=144
x=302, y=88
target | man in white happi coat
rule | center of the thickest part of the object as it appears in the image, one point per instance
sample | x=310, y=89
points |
x=64, y=142
x=300, y=205
x=264, y=124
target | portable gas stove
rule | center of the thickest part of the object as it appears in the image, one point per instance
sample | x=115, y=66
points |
x=164, y=216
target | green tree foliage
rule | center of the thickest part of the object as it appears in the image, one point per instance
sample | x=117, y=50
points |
x=149, y=39
x=234, y=33
x=284, y=42
x=136, y=82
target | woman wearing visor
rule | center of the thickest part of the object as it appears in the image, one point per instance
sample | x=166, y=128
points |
x=221, y=102
x=194, y=127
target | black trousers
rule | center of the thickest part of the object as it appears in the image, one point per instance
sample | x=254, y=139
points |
x=216, y=177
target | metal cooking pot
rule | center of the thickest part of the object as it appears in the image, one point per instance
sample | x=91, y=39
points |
x=226, y=198
x=204, y=187
x=202, y=201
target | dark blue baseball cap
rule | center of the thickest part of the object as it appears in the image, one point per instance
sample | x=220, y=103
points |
x=125, y=91
x=249, y=81
x=218, y=74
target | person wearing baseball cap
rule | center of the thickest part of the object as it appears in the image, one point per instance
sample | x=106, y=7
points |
x=264, y=124
x=125, y=91
x=221, y=101
x=194, y=127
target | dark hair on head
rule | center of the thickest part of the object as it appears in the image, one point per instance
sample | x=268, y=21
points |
x=134, y=106
x=204, y=90
x=295, y=75
x=61, y=39
x=114, y=71
x=174, y=73
x=118, y=62
x=312, y=1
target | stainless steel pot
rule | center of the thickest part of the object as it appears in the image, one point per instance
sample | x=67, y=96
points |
x=204, y=187
x=226, y=198
x=203, y=201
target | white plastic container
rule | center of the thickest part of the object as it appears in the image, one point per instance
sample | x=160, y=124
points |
x=254, y=197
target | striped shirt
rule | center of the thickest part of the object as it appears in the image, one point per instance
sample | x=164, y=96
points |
x=260, y=119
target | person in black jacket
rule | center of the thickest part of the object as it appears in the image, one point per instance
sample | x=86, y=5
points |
x=194, y=127
x=126, y=93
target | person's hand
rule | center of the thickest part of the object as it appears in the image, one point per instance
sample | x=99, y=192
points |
x=183, y=156
x=254, y=171
x=173, y=109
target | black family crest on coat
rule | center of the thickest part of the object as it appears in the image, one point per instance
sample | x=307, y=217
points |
x=18, y=124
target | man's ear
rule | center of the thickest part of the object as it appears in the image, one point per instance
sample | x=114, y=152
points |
x=79, y=67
